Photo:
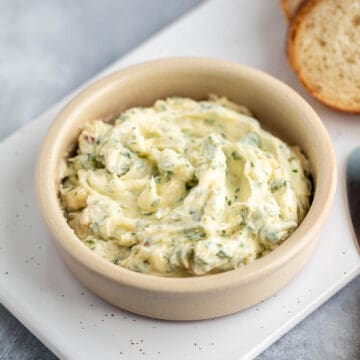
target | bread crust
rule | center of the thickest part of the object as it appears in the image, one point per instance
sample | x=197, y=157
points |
x=287, y=11
x=305, y=8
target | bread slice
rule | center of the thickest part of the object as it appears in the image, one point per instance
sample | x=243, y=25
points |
x=324, y=50
x=289, y=7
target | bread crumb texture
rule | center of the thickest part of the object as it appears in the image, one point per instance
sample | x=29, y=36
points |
x=324, y=50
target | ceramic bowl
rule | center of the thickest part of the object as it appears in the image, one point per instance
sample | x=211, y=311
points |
x=279, y=109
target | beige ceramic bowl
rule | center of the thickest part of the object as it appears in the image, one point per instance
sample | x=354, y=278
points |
x=277, y=107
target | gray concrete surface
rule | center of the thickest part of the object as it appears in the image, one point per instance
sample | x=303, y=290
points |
x=48, y=48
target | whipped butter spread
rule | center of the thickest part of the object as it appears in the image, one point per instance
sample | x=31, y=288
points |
x=184, y=188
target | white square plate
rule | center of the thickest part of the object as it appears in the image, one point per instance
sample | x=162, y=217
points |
x=37, y=288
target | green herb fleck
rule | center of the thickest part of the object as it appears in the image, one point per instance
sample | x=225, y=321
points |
x=122, y=118
x=277, y=185
x=201, y=262
x=126, y=154
x=117, y=260
x=90, y=243
x=191, y=183
x=169, y=174
x=251, y=139
x=235, y=155
x=94, y=227
x=223, y=135
x=228, y=201
x=209, y=121
x=272, y=236
x=244, y=212
x=195, y=234
x=222, y=255
x=136, y=269
x=93, y=161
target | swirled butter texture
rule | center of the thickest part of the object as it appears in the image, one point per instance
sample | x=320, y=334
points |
x=184, y=188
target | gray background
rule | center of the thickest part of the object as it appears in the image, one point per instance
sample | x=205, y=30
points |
x=48, y=48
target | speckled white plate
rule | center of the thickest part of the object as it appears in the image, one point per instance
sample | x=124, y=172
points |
x=37, y=288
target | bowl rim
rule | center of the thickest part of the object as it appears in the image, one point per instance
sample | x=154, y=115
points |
x=65, y=238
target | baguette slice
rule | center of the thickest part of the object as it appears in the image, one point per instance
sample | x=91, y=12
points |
x=289, y=7
x=324, y=50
